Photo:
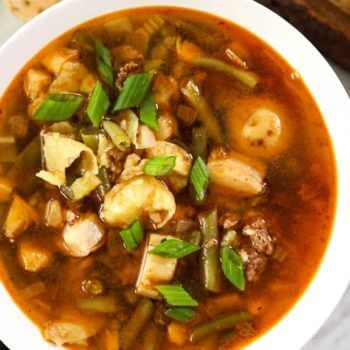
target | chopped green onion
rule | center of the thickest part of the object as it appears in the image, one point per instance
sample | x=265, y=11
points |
x=134, y=91
x=58, y=107
x=232, y=267
x=199, y=178
x=148, y=112
x=117, y=135
x=174, y=248
x=181, y=314
x=132, y=235
x=90, y=137
x=199, y=142
x=176, y=295
x=104, y=62
x=98, y=104
x=160, y=166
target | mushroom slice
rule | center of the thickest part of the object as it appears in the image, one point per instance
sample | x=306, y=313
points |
x=84, y=236
x=236, y=172
x=57, y=162
x=129, y=200
x=155, y=269
x=179, y=175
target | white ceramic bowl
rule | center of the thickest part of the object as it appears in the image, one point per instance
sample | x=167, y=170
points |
x=334, y=274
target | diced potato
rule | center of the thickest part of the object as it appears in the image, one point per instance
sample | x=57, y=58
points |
x=74, y=78
x=155, y=270
x=177, y=333
x=119, y=26
x=128, y=201
x=57, y=162
x=83, y=236
x=236, y=172
x=61, y=332
x=53, y=214
x=36, y=83
x=6, y=188
x=55, y=59
x=179, y=175
x=19, y=218
x=168, y=127
x=110, y=339
x=32, y=257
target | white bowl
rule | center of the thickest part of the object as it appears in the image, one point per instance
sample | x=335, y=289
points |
x=322, y=295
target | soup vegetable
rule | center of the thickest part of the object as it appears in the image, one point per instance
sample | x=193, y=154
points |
x=166, y=182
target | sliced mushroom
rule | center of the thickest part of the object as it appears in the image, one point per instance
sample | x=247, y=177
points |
x=140, y=195
x=155, y=269
x=57, y=162
x=179, y=175
x=84, y=236
x=239, y=173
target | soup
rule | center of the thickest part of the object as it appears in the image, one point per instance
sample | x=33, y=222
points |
x=167, y=182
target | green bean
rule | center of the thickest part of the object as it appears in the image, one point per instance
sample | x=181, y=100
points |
x=199, y=142
x=105, y=182
x=194, y=96
x=136, y=323
x=210, y=251
x=151, y=338
x=102, y=304
x=30, y=156
x=219, y=324
x=247, y=78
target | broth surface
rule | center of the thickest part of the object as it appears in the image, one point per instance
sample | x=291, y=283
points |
x=279, y=230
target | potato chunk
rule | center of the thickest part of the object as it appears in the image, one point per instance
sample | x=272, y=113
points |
x=155, y=269
x=179, y=175
x=53, y=214
x=55, y=59
x=236, y=172
x=32, y=256
x=83, y=236
x=129, y=200
x=20, y=216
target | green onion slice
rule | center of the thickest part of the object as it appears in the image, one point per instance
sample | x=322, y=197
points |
x=181, y=314
x=199, y=177
x=232, y=267
x=176, y=295
x=104, y=62
x=132, y=235
x=160, y=166
x=98, y=104
x=174, y=248
x=58, y=107
x=148, y=112
x=134, y=91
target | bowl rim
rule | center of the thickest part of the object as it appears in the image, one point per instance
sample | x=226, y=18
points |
x=332, y=277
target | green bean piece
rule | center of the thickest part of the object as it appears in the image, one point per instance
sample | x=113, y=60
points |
x=136, y=323
x=100, y=304
x=30, y=156
x=151, y=338
x=105, y=185
x=210, y=251
x=199, y=142
x=219, y=324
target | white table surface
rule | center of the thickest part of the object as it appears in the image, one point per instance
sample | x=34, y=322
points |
x=335, y=334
